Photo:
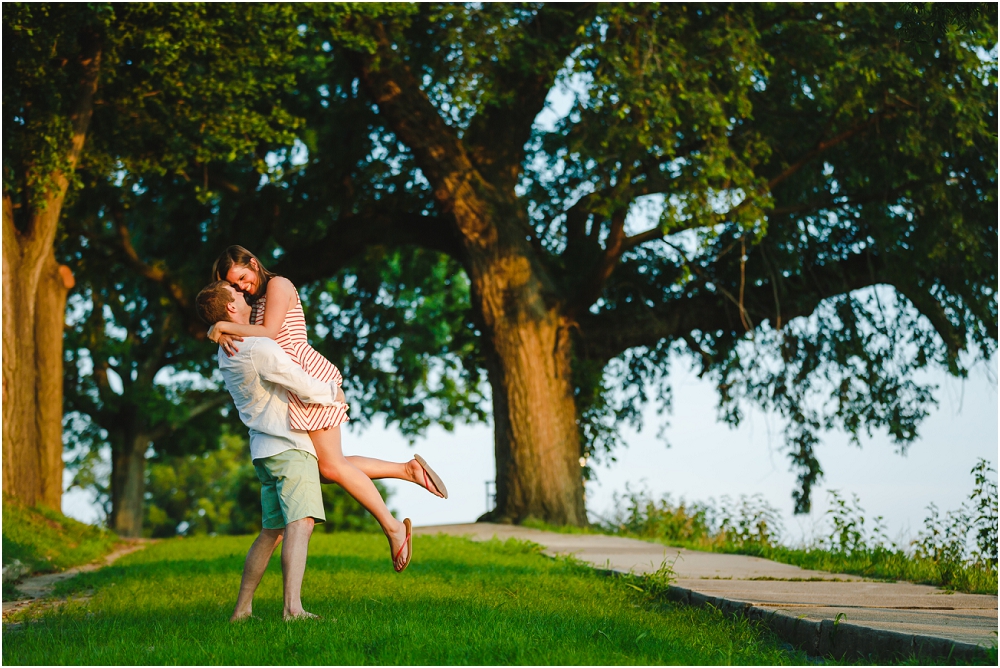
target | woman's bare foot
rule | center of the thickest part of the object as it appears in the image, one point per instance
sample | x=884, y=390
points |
x=419, y=473
x=397, y=538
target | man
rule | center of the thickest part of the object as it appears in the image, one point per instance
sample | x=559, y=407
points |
x=259, y=377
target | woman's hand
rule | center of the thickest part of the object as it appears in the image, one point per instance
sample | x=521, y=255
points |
x=227, y=343
x=217, y=335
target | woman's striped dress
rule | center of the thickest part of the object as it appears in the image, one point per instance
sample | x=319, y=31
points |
x=292, y=339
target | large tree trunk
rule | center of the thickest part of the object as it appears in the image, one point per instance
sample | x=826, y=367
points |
x=517, y=305
x=128, y=483
x=34, y=306
x=536, y=436
x=34, y=299
x=528, y=343
x=50, y=322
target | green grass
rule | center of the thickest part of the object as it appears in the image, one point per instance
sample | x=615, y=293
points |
x=881, y=564
x=458, y=603
x=874, y=563
x=751, y=526
x=47, y=541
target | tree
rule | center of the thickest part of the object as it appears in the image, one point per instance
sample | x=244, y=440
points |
x=218, y=492
x=799, y=154
x=114, y=89
x=138, y=373
x=797, y=157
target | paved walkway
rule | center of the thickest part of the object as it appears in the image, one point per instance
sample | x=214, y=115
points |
x=821, y=612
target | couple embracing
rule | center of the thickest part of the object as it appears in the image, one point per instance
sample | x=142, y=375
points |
x=290, y=398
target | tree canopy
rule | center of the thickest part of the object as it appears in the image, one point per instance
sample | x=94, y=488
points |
x=801, y=198
x=795, y=155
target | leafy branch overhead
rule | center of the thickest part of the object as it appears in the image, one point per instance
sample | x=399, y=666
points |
x=792, y=155
x=555, y=199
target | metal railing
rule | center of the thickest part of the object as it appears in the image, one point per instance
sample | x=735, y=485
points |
x=491, y=495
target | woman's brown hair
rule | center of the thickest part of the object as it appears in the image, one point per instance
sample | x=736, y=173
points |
x=240, y=256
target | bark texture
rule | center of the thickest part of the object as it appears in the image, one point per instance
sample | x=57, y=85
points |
x=34, y=300
x=128, y=483
x=522, y=313
x=537, y=443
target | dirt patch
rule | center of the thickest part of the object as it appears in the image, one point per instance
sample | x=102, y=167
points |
x=37, y=588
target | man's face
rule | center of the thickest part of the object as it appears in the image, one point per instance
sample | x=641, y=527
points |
x=239, y=303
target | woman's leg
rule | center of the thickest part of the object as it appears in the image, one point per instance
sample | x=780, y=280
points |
x=334, y=467
x=378, y=469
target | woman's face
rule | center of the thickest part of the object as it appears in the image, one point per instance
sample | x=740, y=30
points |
x=243, y=278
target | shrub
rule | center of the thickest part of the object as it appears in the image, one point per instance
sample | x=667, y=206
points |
x=958, y=550
x=218, y=493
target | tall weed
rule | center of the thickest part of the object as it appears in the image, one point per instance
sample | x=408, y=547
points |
x=957, y=550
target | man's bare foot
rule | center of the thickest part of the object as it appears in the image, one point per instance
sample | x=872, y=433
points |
x=302, y=614
x=241, y=615
x=418, y=473
x=397, y=537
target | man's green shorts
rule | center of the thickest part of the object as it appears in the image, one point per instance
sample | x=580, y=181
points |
x=289, y=488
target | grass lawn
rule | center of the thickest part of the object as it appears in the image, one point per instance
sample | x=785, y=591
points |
x=46, y=541
x=458, y=603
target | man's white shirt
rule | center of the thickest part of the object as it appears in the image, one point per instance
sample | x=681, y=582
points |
x=259, y=378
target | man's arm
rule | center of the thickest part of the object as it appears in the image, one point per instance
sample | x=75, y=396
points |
x=274, y=364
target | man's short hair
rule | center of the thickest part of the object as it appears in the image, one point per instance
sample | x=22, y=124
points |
x=212, y=301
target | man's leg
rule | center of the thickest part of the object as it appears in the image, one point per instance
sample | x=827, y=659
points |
x=293, y=565
x=253, y=570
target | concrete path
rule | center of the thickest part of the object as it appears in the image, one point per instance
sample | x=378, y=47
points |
x=825, y=613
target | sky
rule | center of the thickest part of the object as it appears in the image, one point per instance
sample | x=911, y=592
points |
x=707, y=459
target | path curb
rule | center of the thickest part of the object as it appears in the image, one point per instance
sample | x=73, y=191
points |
x=842, y=640
x=827, y=638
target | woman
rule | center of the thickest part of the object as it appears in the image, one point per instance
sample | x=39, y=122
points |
x=277, y=314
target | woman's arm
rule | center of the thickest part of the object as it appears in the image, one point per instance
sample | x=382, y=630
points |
x=280, y=300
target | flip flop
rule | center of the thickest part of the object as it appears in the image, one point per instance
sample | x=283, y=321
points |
x=434, y=477
x=407, y=540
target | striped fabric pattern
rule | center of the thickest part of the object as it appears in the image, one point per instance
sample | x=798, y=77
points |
x=292, y=339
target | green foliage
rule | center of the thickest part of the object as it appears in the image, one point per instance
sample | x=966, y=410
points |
x=179, y=86
x=710, y=108
x=984, y=506
x=942, y=554
x=46, y=541
x=459, y=603
x=398, y=327
x=966, y=535
x=750, y=521
x=217, y=492
x=791, y=154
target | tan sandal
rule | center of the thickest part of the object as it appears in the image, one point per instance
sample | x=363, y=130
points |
x=406, y=541
x=431, y=477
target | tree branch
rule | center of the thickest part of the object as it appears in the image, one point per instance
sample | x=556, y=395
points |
x=606, y=262
x=456, y=184
x=349, y=237
x=156, y=273
x=954, y=337
x=603, y=337
x=165, y=430
x=497, y=134
x=825, y=145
